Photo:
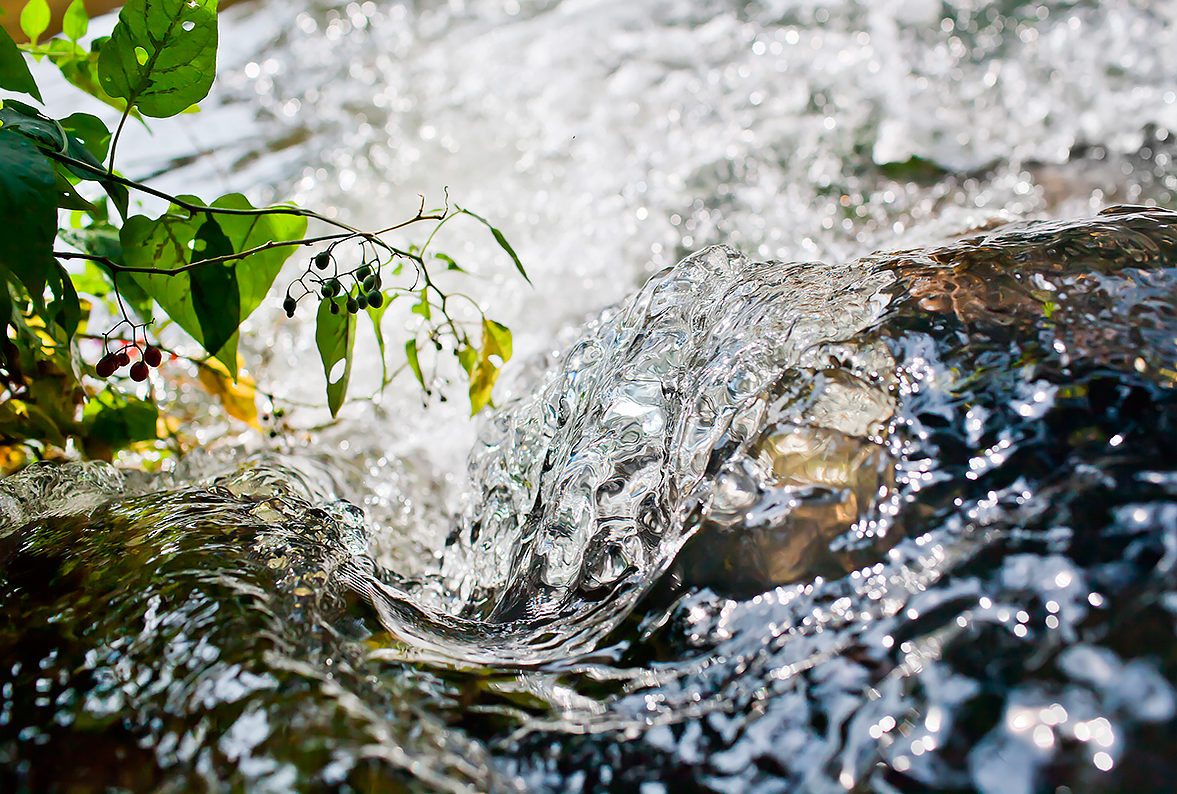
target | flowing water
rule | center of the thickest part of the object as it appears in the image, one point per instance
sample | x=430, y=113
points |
x=791, y=516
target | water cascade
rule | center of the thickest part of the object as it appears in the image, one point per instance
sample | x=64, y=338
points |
x=762, y=526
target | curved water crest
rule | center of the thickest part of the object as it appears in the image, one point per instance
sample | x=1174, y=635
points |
x=907, y=521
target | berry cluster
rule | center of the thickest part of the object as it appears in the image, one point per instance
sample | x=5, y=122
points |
x=112, y=362
x=363, y=292
x=150, y=355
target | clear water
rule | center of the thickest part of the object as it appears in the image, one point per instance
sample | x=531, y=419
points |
x=883, y=523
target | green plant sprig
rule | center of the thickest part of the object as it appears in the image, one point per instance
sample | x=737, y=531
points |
x=203, y=266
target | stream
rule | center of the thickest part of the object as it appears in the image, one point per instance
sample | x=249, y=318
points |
x=837, y=453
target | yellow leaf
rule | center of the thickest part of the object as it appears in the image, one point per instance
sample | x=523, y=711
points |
x=239, y=399
x=496, y=343
x=12, y=457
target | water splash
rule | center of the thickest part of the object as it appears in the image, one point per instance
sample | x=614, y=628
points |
x=903, y=521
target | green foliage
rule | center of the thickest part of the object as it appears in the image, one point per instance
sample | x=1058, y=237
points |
x=34, y=19
x=162, y=55
x=14, y=72
x=335, y=335
x=73, y=244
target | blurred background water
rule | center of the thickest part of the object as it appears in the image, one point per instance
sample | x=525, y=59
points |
x=609, y=140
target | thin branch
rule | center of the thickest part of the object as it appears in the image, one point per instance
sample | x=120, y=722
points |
x=114, y=142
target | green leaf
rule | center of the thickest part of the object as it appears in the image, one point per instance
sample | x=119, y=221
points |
x=20, y=420
x=56, y=137
x=216, y=298
x=449, y=261
x=99, y=239
x=34, y=19
x=76, y=21
x=5, y=303
x=161, y=56
x=87, y=141
x=117, y=420
x=80, y=68
x=91, y=132
x=335, y=334
x=211, y=301
x=377, y=317
x=501, y=240
x=64, y=309
x=415, y=362
x=422, y=306
x=467, y=357
x=14, y=70
x=256, y=272
x=67, y=197
x=33, y=124
x=28, y=205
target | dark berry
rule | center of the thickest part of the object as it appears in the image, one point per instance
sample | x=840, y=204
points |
x=375, y=299
x=362, y=300
x=106, y=365
x=139, y=371
x=322, y=259
x=152, y=356
x=362, y=272
x=289, y=305
x=334, y=307
x=352, y=306
x=371, y=282
x=122, y=358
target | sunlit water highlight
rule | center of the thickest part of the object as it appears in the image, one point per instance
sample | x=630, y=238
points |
x=881, y=523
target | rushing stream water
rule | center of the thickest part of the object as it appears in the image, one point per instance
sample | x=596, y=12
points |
x=792, y=516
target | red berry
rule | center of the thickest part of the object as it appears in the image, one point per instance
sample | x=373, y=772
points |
x=122, y=359
x=139, y=371
x=106, y=365
x=152, y=356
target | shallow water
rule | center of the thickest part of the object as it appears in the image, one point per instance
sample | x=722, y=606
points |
x=892, y=522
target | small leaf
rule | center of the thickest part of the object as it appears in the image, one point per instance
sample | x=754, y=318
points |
x=34, y=19
x=91, y=132
x=237, y=394
x=64, y=309
x=501, y=240
x=335, y=334
x=377, y=316
x=33, y=124
x=496, y=341
x=161, y=55
x=422, y=307
x=76, y=21
x=450, y=263
x=415, y=362
x=14, y=70
x=67, y=197
x=468, y=357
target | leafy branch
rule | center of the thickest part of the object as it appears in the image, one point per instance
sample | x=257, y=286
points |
x=204, y=266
